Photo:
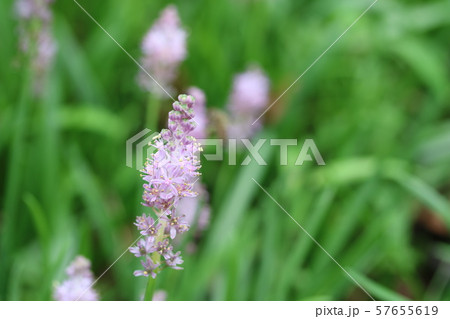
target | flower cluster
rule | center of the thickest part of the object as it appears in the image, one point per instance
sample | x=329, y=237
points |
x=250, y=94
x=169, y=176
x=164, y=48
x=36, y=40
x=78, y=285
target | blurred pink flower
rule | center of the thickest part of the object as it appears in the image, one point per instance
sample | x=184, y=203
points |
x=250, y=92
x=201, y=117
x=29, y=9
x=196, y=209
x=159, y=295
x=78, y=284
x=249, y=97
x=35, y=40
x=163, y=48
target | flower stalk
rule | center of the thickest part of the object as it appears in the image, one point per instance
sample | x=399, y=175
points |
x=150, y=289
x=156, y=257
x=169, y=175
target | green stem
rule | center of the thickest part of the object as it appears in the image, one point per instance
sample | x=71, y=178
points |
x=156, y=258
x=150, y=289
x=153, y=107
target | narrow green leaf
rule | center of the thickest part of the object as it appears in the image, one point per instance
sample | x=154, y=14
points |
x=378, y=291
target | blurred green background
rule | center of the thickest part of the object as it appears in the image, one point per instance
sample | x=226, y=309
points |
x=376, y=105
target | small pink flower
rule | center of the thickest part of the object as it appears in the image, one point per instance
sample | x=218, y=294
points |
x=175, y=225
x=149, y=268
x=143, y=247
x=173, y=260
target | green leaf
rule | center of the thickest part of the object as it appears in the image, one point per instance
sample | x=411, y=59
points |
x=39, y=219
x=378, y=291
x=425, y=59
x=87, y=117
x=425, y=193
